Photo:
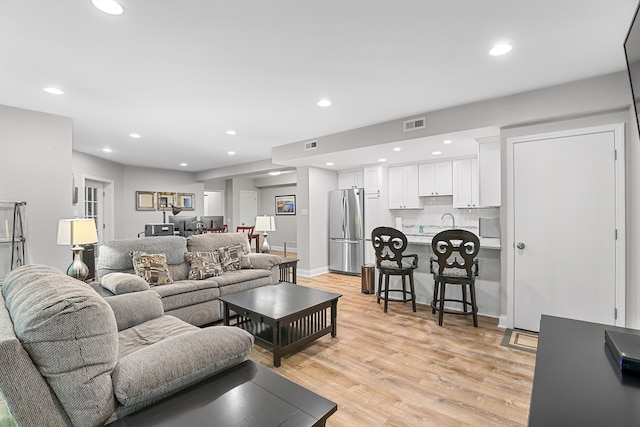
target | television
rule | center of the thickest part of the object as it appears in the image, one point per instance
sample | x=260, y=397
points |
x=212, y=221
x=181, y=223
x=632, y=55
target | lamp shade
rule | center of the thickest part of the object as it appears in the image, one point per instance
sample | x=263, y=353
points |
x=78, y=231
x=265, y=223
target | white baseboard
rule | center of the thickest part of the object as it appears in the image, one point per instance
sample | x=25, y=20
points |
x=314, y=272
x=502, y=323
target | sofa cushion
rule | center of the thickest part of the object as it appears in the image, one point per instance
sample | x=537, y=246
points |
x=149, y=333
x=124, y=283
x=209, y=242
x=203, y=265
x=151, y=267
x=135, y=308
x=153, y=372
x=114, y=255
x=229, y=257
x=71, y=336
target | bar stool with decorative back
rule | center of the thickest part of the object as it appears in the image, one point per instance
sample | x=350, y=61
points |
x=455, y=263
x=389, y=245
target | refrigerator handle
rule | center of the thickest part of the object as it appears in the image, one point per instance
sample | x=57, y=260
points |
x=344, y=214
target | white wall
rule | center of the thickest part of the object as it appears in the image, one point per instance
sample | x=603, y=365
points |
x=36, y=168
x=286, y=225
x=633, y=221
x=150, y=179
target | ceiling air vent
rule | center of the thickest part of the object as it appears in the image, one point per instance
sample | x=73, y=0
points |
x=414, y=124
x=311, y=145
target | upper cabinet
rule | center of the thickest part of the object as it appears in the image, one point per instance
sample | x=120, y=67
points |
x=373, y=180
x=489, y=171
x=352, y=179
x=465, y=183
x=403, y=187
x=435, y=179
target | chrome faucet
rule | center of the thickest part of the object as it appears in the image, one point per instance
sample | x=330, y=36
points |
x=453, y=220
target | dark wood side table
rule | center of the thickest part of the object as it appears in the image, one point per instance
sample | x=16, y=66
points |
x=246, y=395
x=576, y=381
x=289, y=270
x=285, y=316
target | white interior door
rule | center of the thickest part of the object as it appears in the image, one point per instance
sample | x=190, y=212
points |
x=248, y=208
x=564, y=218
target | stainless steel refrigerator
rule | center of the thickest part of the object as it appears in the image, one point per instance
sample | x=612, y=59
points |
x=346, y=230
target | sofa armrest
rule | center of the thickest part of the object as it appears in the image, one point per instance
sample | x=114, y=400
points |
x=267, y=262
x=135, y=308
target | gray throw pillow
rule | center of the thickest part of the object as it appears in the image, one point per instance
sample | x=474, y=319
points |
x=123, y=283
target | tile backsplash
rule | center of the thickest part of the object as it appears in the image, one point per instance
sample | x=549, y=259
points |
x=434, y=208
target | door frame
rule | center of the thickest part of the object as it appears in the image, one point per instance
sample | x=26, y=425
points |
x=108, y=207
x=620, y=244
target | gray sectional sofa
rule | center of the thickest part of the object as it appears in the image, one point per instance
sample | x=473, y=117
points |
x=194, y=301
x=71, y=357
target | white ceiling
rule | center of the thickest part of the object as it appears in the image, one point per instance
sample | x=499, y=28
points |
x=181, y=73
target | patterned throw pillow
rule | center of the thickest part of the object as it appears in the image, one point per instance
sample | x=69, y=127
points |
x=203, y=265
x=233, y=258
x=151, y=267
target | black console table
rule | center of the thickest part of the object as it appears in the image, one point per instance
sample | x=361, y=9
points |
x=576, y=381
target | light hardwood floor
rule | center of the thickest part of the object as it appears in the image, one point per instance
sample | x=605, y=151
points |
x=401, y=369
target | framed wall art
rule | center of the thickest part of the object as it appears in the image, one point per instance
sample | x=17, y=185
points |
x=145, y=201
x=165, y=200
x=186, y=201
x=286, y=205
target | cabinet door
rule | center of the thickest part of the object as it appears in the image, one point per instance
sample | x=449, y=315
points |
x=443, y=181
x=411, y=198
x=427, y=179
x=396, y=187
x=345, y=180
x=465, y=183
x=372, y=180
x=489, y=172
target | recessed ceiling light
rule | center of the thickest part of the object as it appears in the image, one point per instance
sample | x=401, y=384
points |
x=231, y=132
x=53, y=91
x=324, y=103
x=135, y=135
x=183, y=164
x=110, y=7
x=329, y=163
x=107, y=150
x=382, y=160
x=275, y=173
x=436, y=153
x=500, y=49
x=397, y=149
x=447, y=141
x=231, y=153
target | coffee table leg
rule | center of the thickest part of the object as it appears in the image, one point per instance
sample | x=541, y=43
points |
x=225, y=314
x=276, y=345
x=334, y=318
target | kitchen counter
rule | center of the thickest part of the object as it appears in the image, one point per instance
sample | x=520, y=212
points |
x=425, y=239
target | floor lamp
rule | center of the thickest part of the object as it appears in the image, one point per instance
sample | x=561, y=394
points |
x=265, y=224
x=77, y=232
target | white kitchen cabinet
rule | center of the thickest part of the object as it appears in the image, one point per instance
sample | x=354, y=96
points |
x=350, y=179
x=489, y=171
x=403, y=187
x=435, y=179
x=465, y=183
x=373, y=180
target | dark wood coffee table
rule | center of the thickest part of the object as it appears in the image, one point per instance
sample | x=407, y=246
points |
x=246, y=395
x=285, y=316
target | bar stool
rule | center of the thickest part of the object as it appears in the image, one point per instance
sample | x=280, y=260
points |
x=455, y=263
x=389, y=245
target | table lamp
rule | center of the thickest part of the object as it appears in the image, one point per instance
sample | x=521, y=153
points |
x=175, y=210
x=77, y=232
x=265, y=224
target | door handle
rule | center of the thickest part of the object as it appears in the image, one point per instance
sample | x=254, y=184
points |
x=520, y=245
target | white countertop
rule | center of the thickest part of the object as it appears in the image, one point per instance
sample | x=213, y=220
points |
x=424, y=239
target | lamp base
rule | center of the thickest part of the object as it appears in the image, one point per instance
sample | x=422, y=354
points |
x=78, y=269
x=265, y=248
